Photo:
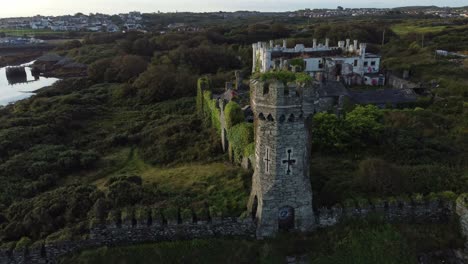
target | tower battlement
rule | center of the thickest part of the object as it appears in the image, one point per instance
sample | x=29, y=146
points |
x=277, y=98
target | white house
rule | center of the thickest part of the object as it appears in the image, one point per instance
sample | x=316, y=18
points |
x=347, y=61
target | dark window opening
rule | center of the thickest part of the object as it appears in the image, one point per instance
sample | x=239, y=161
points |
x=270, y=118
x=282, y=118
x=266, y=89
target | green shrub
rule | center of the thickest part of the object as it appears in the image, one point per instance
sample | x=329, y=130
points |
x=23, y=243
x=284, y=76
x=249, y=150
x=240, y=136
x=233, y=114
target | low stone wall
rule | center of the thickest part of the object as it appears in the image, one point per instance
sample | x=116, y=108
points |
x=411, y=212
x=400, y=83
x=133, y=232
x=462, y=212
x=128, y=234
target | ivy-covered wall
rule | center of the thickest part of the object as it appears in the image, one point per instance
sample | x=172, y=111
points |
x=208, y=107
x=240, y=137
x=227, y=118
x=233, y=114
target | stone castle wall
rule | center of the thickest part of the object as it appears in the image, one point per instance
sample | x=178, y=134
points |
x=134, y=232
x=462, y=212
x=129, y=233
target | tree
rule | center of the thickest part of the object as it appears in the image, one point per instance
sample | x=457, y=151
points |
x=97, y=70
x=142, y=47
x=365, y=124
x=329, y=133
x=119, y=69
x=129, y=67
x=162, y=82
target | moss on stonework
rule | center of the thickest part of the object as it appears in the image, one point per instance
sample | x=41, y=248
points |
x=463, y=199
x=284, y=76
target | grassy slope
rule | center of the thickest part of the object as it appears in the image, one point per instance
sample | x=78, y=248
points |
x=406, y=28
x=217, y=183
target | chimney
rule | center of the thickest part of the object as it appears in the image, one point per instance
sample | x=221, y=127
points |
x=341, y=45
x=285, y=45
x=348, y=41
x=327, y=42
x=362, y=50
x=272, y=44
x=315, y=43
x=355, y=44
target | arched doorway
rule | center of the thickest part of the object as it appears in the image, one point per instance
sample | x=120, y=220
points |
x=286, y=218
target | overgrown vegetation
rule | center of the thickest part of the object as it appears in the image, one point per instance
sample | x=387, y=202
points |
x=285, y=76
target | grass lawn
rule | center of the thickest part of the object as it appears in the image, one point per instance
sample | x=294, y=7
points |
x=404, y=28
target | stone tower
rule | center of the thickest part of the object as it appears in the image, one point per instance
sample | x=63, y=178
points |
x=281, y=197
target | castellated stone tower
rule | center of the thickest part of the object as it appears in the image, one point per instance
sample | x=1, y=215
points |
x=281, y=197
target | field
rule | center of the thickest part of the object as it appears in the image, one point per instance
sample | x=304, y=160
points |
x=407, y=28
x=31, y=32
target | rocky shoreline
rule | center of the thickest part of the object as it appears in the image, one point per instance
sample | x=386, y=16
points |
x=15, y=56
x=53, y=65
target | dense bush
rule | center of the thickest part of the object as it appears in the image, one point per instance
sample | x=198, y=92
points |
x=119, y=69
x=240, y=136
x=46, y=213
x=233, y=114
x=163, y=82
x=361, y=127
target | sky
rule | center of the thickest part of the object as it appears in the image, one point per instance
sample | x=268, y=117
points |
x=13, y=8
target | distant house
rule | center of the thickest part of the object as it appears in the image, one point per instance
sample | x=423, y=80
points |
x=113, y=28
x=176, y=25
x=94, y=28
x=442, y=52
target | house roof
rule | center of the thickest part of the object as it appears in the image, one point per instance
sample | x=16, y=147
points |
x=383, y=96
x=331, y=89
